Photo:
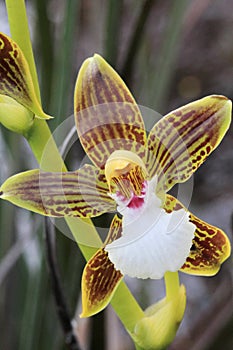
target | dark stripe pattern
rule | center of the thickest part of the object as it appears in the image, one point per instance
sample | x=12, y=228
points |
x=100, y=279
x=129, y=182
x=211, y=247
x=12, y=78
x=181, y=141
x=82, y=193
x=15, y=78
x=115, y=230
x=106, y=114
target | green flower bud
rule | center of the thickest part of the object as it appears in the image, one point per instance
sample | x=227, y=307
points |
x=15, y=116
x=16, y=79
x=158, y=328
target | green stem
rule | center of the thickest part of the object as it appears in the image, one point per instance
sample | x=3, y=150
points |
x=126, y=307
x=172, y=284
x=38, y=136
x=17, y=17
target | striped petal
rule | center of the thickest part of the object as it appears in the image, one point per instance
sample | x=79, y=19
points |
x=106, y=114
x=100, y=279
x=82, y=193
x=211, y=247
x=181, y=141
x=15, y=76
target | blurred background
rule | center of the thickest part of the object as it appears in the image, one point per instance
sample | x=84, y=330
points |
x=169, y=53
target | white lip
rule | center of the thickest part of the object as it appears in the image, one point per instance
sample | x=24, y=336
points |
x=152, y=241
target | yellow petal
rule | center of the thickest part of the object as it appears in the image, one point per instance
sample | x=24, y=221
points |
x=106, y=114
x=181, y=141
x=15, y=77
x=211, y=247
x=100, y=279
x=115, y=230
x=82, y=193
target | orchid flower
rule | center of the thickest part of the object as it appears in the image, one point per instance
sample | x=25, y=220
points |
x=151, y=231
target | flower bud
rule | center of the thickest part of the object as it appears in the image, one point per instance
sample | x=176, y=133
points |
x=158, y=328
x=16, y=78
x=14, y=116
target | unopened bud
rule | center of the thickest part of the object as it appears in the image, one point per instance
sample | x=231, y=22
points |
x=14, y=116
x=158, y=328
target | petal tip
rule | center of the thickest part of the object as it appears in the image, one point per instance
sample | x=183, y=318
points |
x=44, y=116
x=229, y=102
x=220, y=97
x=97, y=57
x=88, y=61
x=96, y=61
x=85, y=314
x=99, y=62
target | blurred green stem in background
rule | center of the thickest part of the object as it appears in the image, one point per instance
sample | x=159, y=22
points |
x=46, y=49
x=164, y=68
x=135, y=40
x=112, y=30
x=62, y=82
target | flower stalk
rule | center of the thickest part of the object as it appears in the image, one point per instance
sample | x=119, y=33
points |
x=17, y=18
x=172, y=284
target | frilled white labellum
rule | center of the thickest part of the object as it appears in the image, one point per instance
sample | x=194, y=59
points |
x=152, y=241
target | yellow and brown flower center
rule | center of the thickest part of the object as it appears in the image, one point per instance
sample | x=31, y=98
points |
x=127, y=178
